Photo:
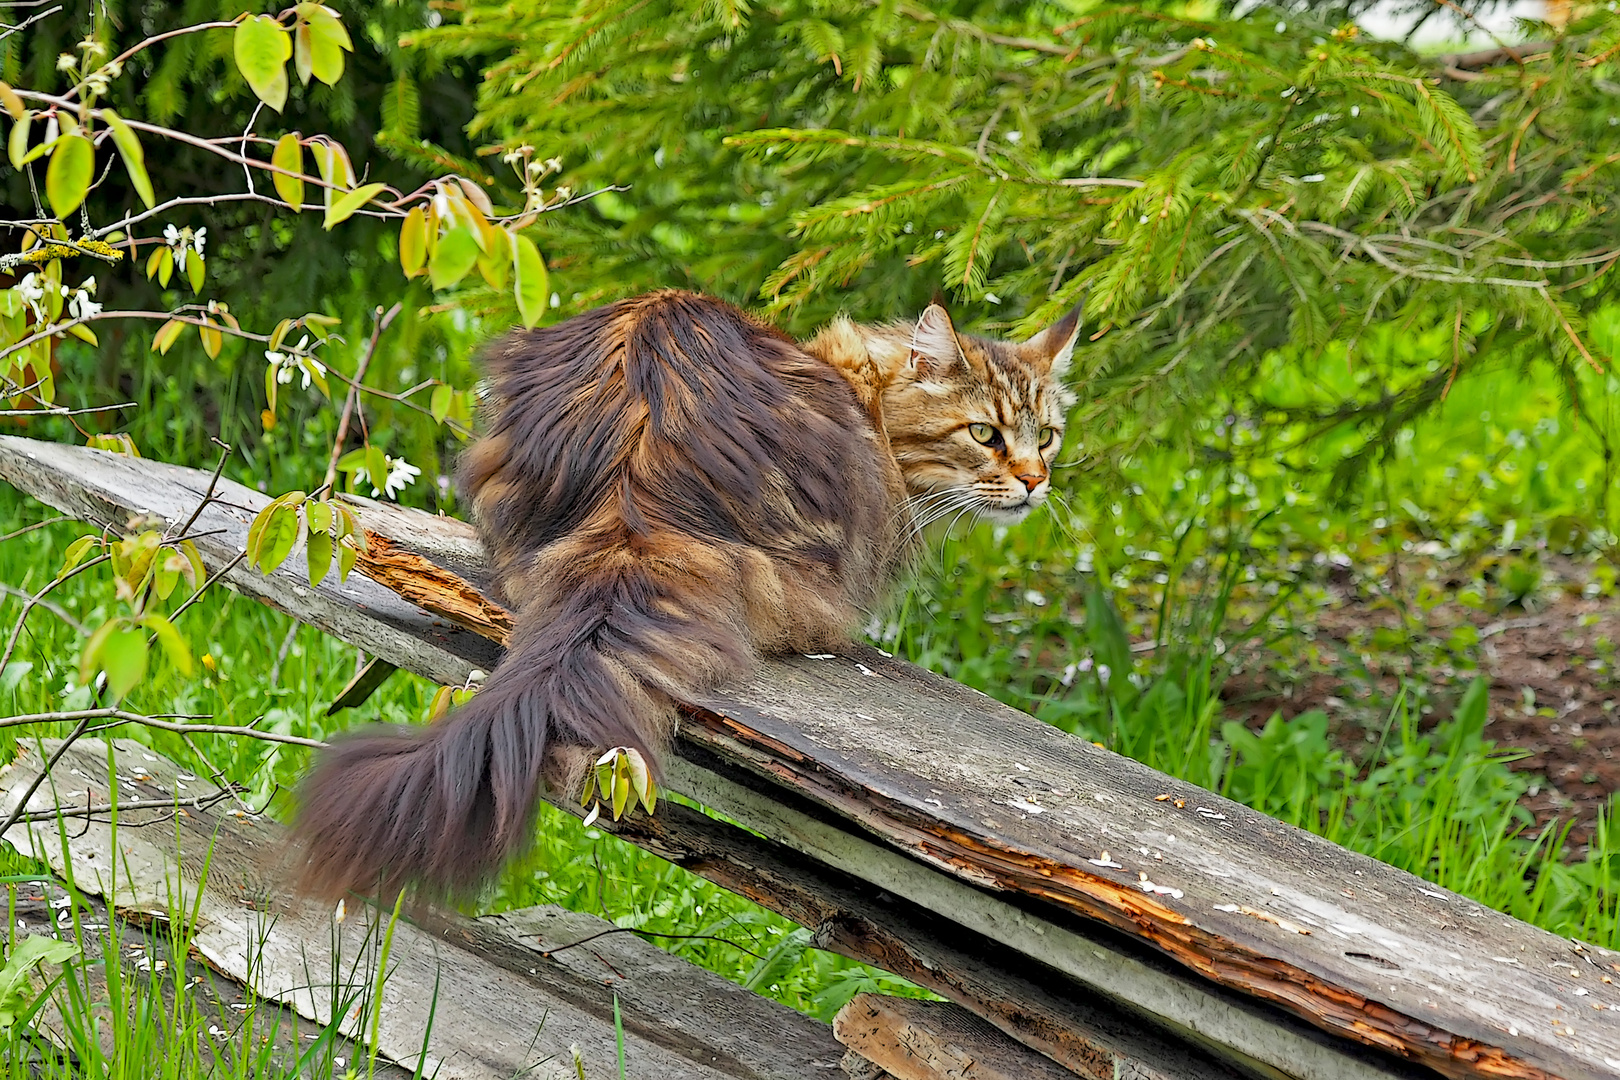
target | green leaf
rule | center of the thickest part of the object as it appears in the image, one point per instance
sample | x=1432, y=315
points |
x=413, y=242
x=67, y=178
x=277, y=538
x=198, y=573
x=344, y=207
x=321, y=43
x=174, y=646
x=123, y=658
x=440, y=401
x=376, y=466
x=16, y=991
x=75, y=554
x=90, y=657
x=17, y=142
x=347, y=556
x=529, y=284
x=455, y=254
x=129, y=148
x=262, y=47
x=319, y=516
x=289, y=155
x=318, y=546
x=196, y=268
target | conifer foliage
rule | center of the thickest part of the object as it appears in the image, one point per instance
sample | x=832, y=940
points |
x=1214, y=190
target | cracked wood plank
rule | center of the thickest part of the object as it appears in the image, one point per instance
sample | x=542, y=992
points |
x=933, y=1040
x=928, y=768
x=462, y=999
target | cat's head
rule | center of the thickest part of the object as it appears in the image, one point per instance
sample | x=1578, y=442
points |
x=975, y=423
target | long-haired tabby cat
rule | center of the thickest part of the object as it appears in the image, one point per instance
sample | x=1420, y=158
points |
x=669, y=490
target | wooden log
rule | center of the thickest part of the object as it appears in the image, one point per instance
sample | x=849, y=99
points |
x=144, y=949
x=934, y=1040
x=1022, y=829
x=454, y=1001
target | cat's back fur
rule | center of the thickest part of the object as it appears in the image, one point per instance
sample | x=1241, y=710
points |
x=668, y=489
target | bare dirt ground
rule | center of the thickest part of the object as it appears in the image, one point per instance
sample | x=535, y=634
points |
x=1549, y=658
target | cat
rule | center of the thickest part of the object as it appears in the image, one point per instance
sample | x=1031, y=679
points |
x=669, y=490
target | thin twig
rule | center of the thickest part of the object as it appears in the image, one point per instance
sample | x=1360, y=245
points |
x=650, y=933
x=28, y=606
x=208, y=496
x=379, y=322
x=26, y=529
x=66, y=411
x=18, y=810
x=198, y=802
x=49, y=605
x=162, y=722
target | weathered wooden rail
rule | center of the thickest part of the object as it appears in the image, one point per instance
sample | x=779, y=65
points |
x=1037, y=880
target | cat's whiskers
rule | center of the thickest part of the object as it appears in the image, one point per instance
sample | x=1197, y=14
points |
x=964, y=500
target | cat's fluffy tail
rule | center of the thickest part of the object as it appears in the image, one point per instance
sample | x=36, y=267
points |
x=443, y=807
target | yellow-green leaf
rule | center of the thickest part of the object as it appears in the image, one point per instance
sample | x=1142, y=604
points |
x=212, y=339
x=17, y=143
x=129, y=148
x=455, y=254
x=321, y=43
x=83, y=333
x=318, y=546
x=165, y=265
x=14, y=104
x=90, y=657
x=343, y=207
x=123, y=658
x=289, y=155
x=67, y=178
x=198, y=573
x=439, y=403
x=413, y=242
x=529, y=284
x=347, y=556
x=174, y=645
x=75, y=554
x=278, y=537
x=279, y=334
x=195, y=269
x=319, y=516
x=167, y=335
x=262, y=47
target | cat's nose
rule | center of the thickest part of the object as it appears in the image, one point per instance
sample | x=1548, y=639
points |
x=1032, y=480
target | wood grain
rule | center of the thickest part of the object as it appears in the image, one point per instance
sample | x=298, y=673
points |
x=934, y=1040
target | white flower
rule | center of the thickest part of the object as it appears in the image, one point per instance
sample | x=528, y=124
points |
x=311, y=366
x=401, y=475
x=183, y=241
x=93, y=47
x=66, y=62
x=30, y=289
x=81, y=306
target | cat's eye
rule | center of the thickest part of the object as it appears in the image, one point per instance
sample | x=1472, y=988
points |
x=985, y=433
x=1047, y=435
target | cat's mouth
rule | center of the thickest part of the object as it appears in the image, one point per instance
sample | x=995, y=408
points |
x=1010, y=513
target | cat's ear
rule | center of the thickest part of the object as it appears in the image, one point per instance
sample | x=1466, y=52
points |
x=1054, y=346
x=934, y=347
